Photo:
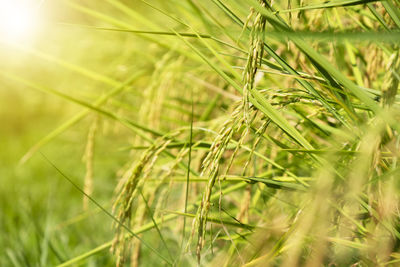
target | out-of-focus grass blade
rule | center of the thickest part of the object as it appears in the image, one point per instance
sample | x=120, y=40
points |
x=188, y=173
x=341, y=37
x=348, y=243
x=136, y=16
x=101, y=100
x=131, y=125
x=378, y=16
x=352, y=57
x=393, y=11
x=95, y=76
x=329, y=4
x=185, y=34
x=228, y=12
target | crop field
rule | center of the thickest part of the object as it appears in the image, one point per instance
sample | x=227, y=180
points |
x=199, y=133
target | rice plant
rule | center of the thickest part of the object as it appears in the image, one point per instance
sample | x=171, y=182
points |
x=199, y=133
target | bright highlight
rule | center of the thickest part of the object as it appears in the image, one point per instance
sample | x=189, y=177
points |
x=18, y=19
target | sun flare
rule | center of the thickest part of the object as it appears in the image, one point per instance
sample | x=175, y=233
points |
x=18, y=19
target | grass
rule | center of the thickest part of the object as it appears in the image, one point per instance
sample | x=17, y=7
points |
x=202, y=133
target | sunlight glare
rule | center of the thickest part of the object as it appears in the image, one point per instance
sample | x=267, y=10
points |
x=18, y=19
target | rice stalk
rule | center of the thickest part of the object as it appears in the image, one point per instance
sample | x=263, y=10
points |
x=211, y=167
x=132, y=181
x=255, y=55
x=88, y=158
x=391, y=80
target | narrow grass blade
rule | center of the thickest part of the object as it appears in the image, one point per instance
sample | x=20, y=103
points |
x=156, y=225
x=107, y=212
x=144, y=228
x=75, y=119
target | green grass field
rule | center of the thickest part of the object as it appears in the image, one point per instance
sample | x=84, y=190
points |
x=199, y=133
